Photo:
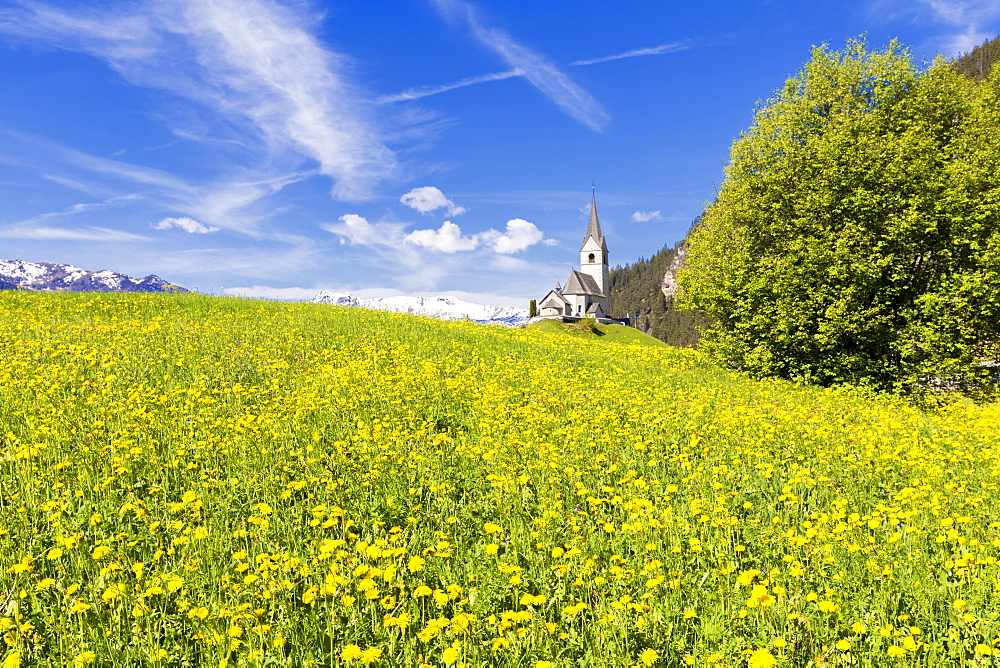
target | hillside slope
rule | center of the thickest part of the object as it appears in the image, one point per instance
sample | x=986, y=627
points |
x=188, y=480
x=647, y=288
x=597, y=332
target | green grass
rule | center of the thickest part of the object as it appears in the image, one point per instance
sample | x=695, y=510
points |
x=585, y=329
x=197, y=481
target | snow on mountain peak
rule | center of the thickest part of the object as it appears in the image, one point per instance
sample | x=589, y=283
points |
x=54, y=276
x=441, y=307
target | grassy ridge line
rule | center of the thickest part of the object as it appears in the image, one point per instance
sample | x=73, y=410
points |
x=193, y=481
x=597, y=331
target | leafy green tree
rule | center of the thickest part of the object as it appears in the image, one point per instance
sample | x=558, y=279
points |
x=856, y=237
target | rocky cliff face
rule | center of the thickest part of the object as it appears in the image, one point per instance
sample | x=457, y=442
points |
x=52, y=276
x=645, y=291
x=668, y=284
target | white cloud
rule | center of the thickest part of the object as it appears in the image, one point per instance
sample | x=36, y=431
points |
x=189, y=225
x=519, y=235
x=47, y=233
x=645, y=216
x=975, y=19
x=356, y=230
x=447, y=239
x=428, y=198
x=651, y=51
x=425, y=91
x=542, y=74
x=256, y=63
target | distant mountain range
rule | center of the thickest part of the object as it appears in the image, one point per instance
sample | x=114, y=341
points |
x=65, y=277
x=444, y=308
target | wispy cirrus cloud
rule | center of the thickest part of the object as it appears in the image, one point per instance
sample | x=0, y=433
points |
x=419, y=92
x=229, y=202
x=257, y=63
x=427, y=91
x=976, y=21
x=573, y=100
x=40, y=227
x=635, y=53
x=969, y=22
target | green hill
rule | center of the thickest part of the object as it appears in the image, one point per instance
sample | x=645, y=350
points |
x=198, y=481
x=598, y=332
x=637, y=291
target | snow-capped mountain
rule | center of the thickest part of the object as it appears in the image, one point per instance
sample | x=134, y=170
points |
x=51, y=276
x=444, y=308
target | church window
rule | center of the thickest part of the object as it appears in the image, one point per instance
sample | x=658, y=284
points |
x=590, y=258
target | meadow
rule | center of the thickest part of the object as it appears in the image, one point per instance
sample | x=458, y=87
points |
x=198, y=481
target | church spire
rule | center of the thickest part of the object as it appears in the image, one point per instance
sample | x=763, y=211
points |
x=594, y=227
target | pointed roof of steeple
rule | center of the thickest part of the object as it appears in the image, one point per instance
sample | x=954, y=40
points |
x=594, y=227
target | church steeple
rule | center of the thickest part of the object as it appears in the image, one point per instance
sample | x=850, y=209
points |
x=594, y=252
x=594, y=227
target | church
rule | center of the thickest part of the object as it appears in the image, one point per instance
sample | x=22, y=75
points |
x=586, y=291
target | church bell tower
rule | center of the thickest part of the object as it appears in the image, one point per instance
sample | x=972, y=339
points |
x=594, y=251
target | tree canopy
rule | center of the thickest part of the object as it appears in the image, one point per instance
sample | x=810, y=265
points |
x=856, y=236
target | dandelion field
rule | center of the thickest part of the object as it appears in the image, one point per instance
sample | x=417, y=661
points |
x=198, y=481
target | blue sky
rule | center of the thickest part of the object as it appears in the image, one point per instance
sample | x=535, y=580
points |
x=276, y=148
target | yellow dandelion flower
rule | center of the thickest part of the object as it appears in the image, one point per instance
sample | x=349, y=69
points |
x=112, y=592
x=761, y=658
x=370, y=655
x=648, y=657
x=350, y=653
x=83, y=658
